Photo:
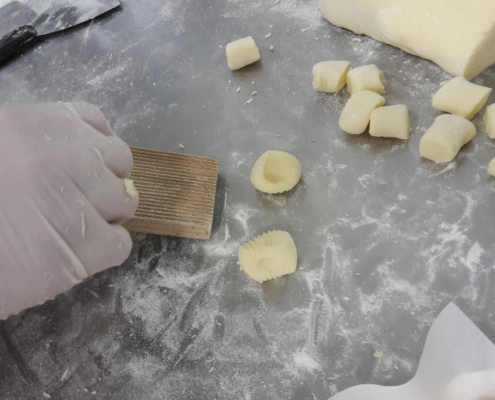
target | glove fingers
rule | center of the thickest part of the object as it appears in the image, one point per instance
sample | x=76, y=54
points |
x=111, y=246
x=86, y=239
x=93, y=116
x=116, y=201
x=97, y=244
x=116, y=155
x=113, y=150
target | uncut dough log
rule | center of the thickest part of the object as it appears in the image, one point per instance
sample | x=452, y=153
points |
x=489, y=119
x=242, y=52
x=367, y=77
x=444, y=139
x=330, y=76
x=356, y=114
x=391, y=121
x=269, y=256
x=491, y=167
x=458, y=35
x=461, y=97
x=275, y=172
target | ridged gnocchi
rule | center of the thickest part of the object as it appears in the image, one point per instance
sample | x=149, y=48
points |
x=269, y=256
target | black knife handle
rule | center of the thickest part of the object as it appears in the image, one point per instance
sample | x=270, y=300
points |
x=13, y=41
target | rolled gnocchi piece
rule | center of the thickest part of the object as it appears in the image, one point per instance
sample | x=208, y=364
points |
x=367, y=77
x=330, y=76
x=356, y=114
x=491, y=167
x=444, y=139
x=489, y=119
x=461, y=97
x=275, y=172
x=269, y=256
x=242, y=52
x=391, y=121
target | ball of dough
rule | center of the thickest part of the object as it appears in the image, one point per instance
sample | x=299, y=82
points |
x=367, y=77
x=491, y=167
x=356, y=114
x=391, y=121
x=242, y=52
x=275, y=172
x=444, y=139
x=489, y=119
x=329, y=76
x=461, y=97
x=269, y=256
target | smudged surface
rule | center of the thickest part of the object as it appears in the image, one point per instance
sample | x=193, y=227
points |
x=385, y=239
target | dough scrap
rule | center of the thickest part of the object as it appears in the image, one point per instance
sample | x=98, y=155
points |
x=130, y=189
x=491, y=167
x=444, y=139
x=461, y=97
x=367, y=77
x=356, y=114
x=330, y=76
x=269, y=256
x=391, y=121
x=489, y=119
x=275, y=172
x=242, y=52
x=458, y=35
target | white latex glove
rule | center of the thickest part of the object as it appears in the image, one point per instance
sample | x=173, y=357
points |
x=63, y=196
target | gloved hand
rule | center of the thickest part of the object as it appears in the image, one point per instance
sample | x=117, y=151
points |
x=63, y=196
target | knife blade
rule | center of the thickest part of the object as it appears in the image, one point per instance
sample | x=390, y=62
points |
x=59, y=15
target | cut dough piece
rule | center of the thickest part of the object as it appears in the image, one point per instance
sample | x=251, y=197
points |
x=269, y=256
x=489, y=119
x=458, y=35
x=391, y=121
x=444, y=139
x=491, y=167
x=356, y=115
x=329, y=76
x=242, y=52
x=367, y=77
x=461, y=97
x=275, y=172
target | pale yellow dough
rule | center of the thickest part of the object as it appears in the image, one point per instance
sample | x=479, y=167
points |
x=242, y=52
x=269, y=256
x=491, y=167
x=391, y=121
x=275, y=172
x=444, y=139
x=356, y=114
x=458, y=35
x=461, y=97
x=367, y=77
x=489, y=119
x=330, y=76
x=130, y=189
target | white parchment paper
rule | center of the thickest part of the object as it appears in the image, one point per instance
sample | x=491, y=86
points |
x=458, y=363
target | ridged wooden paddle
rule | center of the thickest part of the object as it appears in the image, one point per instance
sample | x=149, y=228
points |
x=176, y=193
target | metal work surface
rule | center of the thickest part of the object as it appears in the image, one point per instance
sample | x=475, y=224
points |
x=385, y=239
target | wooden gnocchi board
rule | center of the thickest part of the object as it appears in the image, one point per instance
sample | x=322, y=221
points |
x=176, y=193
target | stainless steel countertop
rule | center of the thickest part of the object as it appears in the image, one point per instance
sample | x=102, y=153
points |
x=385, y=239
